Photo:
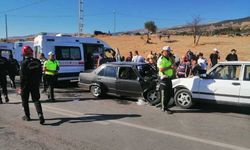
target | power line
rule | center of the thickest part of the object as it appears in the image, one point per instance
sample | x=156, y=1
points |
x=21, y=7
x=56, y=16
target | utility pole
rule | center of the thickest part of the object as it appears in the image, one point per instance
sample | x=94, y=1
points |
x=114, y=12
x=6, y=27
x=80, y=18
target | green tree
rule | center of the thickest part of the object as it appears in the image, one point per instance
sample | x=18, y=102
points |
x=151, y=27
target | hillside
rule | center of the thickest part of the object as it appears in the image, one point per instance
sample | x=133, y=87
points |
x=181, y=44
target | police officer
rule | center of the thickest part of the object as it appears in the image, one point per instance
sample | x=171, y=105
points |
x=3, y=81
x=166, y=71
x=13, y=70
x=51, y=68
x=42, y=58
x=30, y=75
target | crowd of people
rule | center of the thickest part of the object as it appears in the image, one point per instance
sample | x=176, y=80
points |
x=190, y=64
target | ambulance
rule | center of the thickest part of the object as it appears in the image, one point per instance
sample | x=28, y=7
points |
x=75, y=54
x=6, y=49
x=17, y=53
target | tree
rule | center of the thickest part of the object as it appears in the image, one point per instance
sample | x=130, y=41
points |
x=151, y=27
x=196, y=29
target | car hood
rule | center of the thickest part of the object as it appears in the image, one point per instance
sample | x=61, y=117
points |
x=188, y=83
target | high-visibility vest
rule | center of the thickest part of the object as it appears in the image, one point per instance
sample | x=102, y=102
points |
x=163, y=62
x=51, y=67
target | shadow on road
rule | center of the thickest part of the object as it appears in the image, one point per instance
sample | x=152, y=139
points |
x=62, y=100
x=91, y=118
x=215, y=108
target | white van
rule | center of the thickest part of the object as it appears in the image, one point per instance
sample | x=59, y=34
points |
x=75, y=54
x=6, y=49
x=17, y=53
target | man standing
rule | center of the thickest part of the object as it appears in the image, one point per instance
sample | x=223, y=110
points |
x=138, y=58
x=232, y=56
x=3, y=81
x=30, y=76
x=13, y=70
x=51, y=68
x=166, y=71
x=214, y=57
x=43, y=59
x=203, y=63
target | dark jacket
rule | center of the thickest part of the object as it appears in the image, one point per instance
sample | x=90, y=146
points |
x=13, y=66
x=232, y=57
x=4, y=66
x=31, y=72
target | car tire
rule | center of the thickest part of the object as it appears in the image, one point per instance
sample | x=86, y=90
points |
x=96, y=90
x=152, y=96
x=183, y=98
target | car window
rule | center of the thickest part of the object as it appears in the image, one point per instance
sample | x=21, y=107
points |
x=247, y=73
x=127, y=73
x=108, y=71
x=146, y=70
x=226, y=72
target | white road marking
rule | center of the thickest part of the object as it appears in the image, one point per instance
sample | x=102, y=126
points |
x=74, y=114
x=169, y=133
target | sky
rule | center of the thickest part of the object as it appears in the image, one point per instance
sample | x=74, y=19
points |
x=25, y=17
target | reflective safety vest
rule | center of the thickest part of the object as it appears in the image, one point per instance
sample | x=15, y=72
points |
x=164, y=62
x=51, y=66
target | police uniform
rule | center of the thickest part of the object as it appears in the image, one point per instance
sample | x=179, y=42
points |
x=30, y=76
x=3, y=80
x=45, y=86
x=166, y=88
x=51, y=68
x=13, y=70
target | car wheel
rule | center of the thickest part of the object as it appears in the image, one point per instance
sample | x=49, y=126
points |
x=183, y=98
x=152, y=96
x=96, y=90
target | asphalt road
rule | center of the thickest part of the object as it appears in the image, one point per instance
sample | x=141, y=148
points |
x=79, y=121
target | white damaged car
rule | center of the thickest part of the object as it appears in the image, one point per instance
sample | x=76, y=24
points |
x=226, y=83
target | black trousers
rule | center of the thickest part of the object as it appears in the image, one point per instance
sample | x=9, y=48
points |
x=45, y=85
x=12, y=78
x=51, y=82
x=35, y=95
x=3, y=84
x=167, y=92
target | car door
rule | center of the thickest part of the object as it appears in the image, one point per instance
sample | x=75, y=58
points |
x=107, y=78
x=222, y=84
x=245, y=86
x=127, y=82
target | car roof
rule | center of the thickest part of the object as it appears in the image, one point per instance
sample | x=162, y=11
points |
x=125, y=63
x=235, y=62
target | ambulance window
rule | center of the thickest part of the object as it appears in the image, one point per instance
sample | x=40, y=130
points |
x=6, y=53
x=67, y=53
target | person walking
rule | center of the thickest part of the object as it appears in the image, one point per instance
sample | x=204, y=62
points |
x=30, y=76
x=42, y=59
x=4, y=67
x=51, y=68
x=13, y=70
x=214, y=57
x=166, y=72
